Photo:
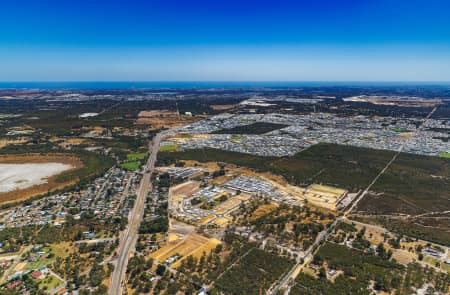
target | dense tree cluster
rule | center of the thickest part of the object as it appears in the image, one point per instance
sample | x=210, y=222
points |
x=360, y=269
x=254, y=273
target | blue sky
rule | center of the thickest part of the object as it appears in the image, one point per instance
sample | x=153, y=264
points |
x=168, y=40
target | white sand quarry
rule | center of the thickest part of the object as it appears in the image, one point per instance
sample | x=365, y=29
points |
x=20, y=176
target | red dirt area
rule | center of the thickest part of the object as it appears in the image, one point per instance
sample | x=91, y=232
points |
x=164, y=119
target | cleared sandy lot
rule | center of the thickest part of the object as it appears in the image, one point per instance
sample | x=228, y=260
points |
x=194, y=245
x=20, y=176
x=186, y=188
x=164, y=119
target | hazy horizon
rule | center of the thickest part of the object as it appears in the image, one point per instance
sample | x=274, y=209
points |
x=80, y=85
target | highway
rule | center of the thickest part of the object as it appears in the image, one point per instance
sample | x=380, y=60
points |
x=129, y=237
x=323, y=235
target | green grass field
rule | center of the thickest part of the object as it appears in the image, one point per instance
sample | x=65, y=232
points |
x=444, y=155
x=131, y=165
x=136, y=156
x=169, y=148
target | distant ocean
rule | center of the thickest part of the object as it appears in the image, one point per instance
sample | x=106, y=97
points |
x=202, y=85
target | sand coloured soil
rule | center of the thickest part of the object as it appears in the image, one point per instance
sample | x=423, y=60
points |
x=6, y=142
x=222, y=107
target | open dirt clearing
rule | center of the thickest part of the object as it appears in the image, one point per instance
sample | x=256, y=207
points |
x=193, y=245
x=164, y=119
x=186, y=188
x=198, y=252
x=229, y=204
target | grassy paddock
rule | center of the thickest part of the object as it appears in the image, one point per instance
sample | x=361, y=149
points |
x=137, y=156
x=169, y=148
x=134, y=165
